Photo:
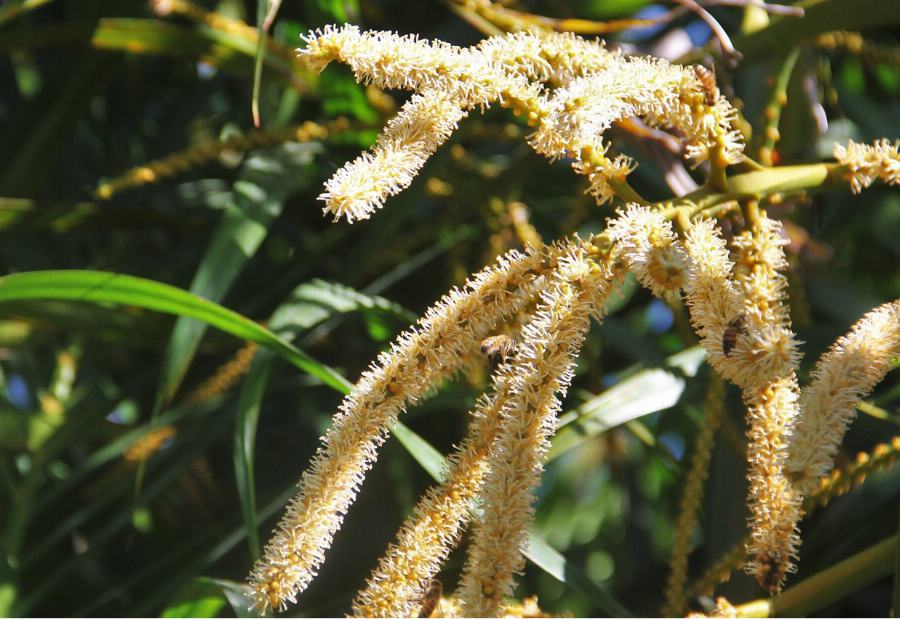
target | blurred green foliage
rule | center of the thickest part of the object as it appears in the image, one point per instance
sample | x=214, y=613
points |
x=92, y=88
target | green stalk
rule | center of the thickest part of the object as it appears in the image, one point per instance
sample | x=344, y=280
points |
x=777, y=101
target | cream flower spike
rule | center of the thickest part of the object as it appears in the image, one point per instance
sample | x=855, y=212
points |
x=542, y=369
x=392, y=61
x=548, y=56
x=662, y=94
x=714, y=301
x=598, y=87
x=843, y=376
x=867, y=163
x=449, y=333
x=424, y=123
x=646, y=242
x=396, y=587
x=449, y=81
x=740, y=314
x=771, y=398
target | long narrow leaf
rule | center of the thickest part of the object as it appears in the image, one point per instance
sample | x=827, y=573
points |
x=100, y=287
x=645, y=392
x=258, y=195
x=248, y=408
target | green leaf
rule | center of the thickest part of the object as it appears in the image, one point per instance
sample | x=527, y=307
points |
x=154, y=37
x=313, y=302
x=248, y=407
x=265, y=15
x=548, y=559
x=421, y=450
x=198, y=598
x=99, y=287
x=237, y=594
x=14, y=8
x=645, y=392
x=258, y=195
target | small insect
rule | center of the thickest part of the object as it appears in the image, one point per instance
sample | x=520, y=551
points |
x=707, y=79
x=770, y=574
x=497, y=347
x=431, y=600
x=735, y=327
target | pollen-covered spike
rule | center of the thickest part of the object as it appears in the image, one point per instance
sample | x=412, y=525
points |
x=426, y=538
x=407, y=142
x=541, y=370
x=843, y=376
x=449, y=333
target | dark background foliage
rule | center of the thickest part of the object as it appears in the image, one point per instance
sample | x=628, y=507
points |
x=84, y=99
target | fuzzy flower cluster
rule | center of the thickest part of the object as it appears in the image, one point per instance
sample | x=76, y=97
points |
x=570, y=284
x=569, y=89
x=772, y=404
x=737, y=305
x=397, y=586
x=539, y=375
x=867, y=163
x=449, y=334
x=647, y=242
x=843, y=376
x=739, y=312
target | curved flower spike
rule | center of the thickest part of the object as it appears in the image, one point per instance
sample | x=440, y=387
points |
x=450, y=332
x=745, y=329
x=392, y=61
x=541, y=369
x=843, y=376
x=409, y=139
x=396, y=587
x=598, y=88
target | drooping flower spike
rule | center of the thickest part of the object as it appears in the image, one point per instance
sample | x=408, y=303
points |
x=448, y=334
x=595, y=88
x=539, y=375
x=843, y=376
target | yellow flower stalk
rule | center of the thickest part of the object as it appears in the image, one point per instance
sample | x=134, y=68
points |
x=867, y=163
x=724, y=608
x=597, y=88
x=396, y=587
x=692, y=496
x=663, y=95
x=843, y=376
x=449, y=332
x=407, y=142
x=542, y=369
x=647, y=243
x=772, y=400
